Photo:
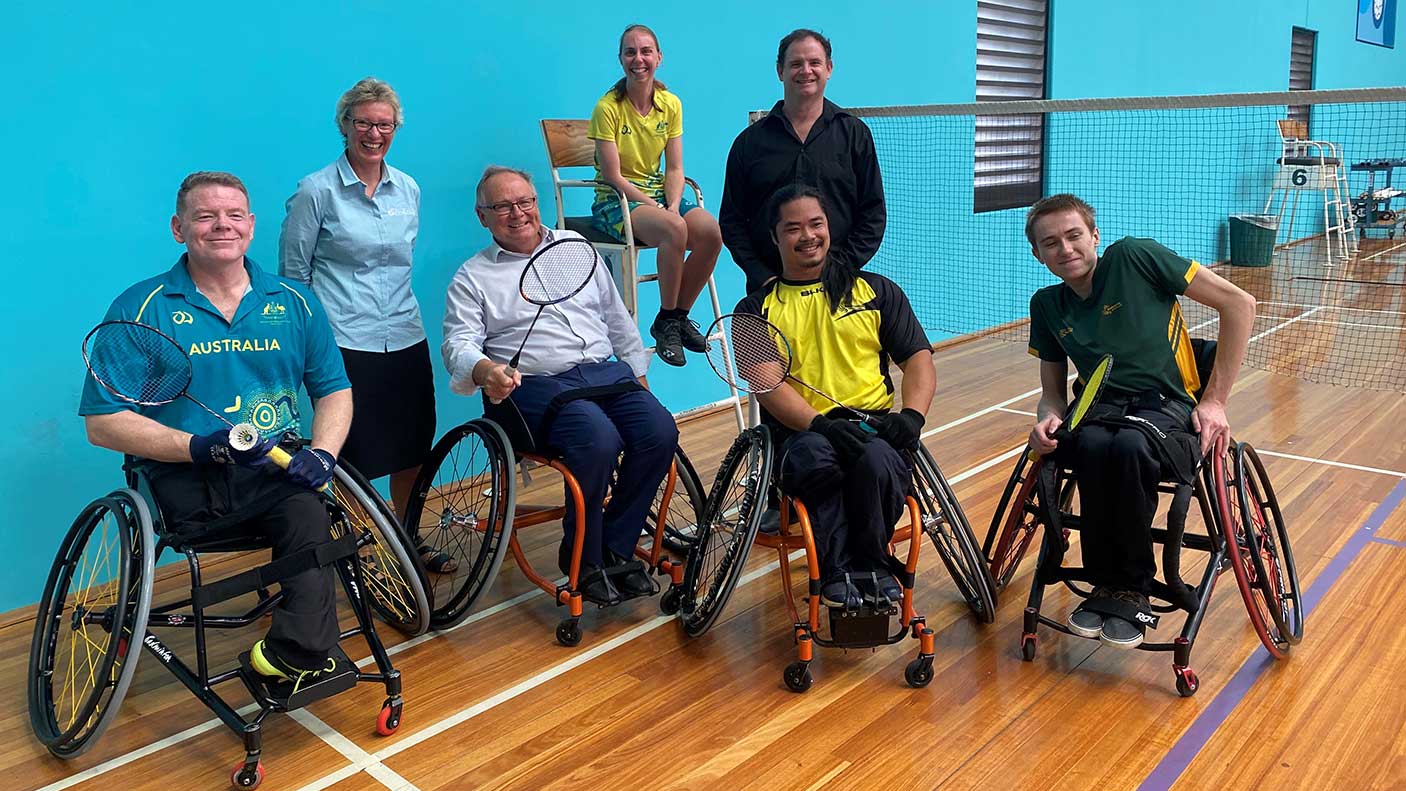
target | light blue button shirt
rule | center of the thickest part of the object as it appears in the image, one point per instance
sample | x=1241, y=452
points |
x=355, y=252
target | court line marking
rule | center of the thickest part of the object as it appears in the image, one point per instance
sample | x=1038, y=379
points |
x=1279, y=327
x=1334, y=307
x=1398, y=246
x=1018, y=412
x=141, y=752
x=351, y=751
x=1389, y=542
x=1331, y=463
x=1167, y=771
x=1393, y=327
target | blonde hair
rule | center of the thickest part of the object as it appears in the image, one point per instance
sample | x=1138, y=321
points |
x=367, y=90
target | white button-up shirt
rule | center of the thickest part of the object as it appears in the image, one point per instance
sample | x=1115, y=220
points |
x=485, y=317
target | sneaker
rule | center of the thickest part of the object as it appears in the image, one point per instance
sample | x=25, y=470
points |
x=693, y=340
x=1120, y=632
x=1087, y=623
x=880, y=586
x=269, y=665
x=628, y=575
x=771, y=522
x=841, y=593
x=668, y=340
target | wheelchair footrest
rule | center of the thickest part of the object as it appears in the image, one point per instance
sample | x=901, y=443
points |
x=282, y=695
x=861, y=628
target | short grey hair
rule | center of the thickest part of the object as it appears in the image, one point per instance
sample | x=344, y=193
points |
x=207, y=178
x=498, y=170
x=367, y=90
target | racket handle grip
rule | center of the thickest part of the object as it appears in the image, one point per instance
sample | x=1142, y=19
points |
x=511, y=370
x=246, y=435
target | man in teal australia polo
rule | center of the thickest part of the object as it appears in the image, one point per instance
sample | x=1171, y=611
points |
x=253, y=340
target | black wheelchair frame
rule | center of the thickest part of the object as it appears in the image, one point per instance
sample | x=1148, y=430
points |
x=130, y=616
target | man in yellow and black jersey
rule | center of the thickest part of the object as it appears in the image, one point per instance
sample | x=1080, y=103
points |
x=844, y=327
x=1124, y=303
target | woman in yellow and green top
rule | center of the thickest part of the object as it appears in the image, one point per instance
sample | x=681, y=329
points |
x=632, y=124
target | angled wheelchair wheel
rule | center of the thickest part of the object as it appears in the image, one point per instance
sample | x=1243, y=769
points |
x=947, y=527
x=1260, y=555
x=685, y=506
x=91, y=623
x=1014, y=524
x=394, y=578
x=728, y=525
x=462, y=505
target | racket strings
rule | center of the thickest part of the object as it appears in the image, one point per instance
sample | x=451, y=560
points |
x=558, y=272
x=761, y=356
x=137, y=363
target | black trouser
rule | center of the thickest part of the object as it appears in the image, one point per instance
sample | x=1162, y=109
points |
x=852, y=509
x=304, y=627
x=1118, y=469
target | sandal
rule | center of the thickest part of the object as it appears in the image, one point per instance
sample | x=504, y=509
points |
x=437, y=561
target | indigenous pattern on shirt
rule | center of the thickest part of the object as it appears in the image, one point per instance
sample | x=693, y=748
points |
x=639, y=139
x=248, y=369
x=844, y=353
x=1131, y=313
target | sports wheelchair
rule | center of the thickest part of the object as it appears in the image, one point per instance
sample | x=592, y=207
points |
x=97, y=606
x=729, y=528
x=1242, y=530
x=464, y=503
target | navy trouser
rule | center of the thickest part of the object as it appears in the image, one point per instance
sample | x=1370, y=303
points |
x=304, y=626
x=1118, y=469
x=589, y=437
x=852, y=509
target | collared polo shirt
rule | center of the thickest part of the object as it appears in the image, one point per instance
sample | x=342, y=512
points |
x=843, y=353
x=1131, y=313
x=640, y=140
x=248, y=369
x=356, y=252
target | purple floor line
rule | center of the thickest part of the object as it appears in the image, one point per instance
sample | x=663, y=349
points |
x=1170, y=768
x=1389, y=542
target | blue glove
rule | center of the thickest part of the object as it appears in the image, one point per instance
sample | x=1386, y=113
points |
x=902, y=429
x=214, y=449
x=312, y=467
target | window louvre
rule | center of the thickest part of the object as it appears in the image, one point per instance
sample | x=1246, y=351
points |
x=1301, y=52
x=1008, y=167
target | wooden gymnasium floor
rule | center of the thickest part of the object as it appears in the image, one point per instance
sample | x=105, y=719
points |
x=496, y=703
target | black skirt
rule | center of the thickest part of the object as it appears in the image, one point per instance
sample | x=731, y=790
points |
x=393, y=420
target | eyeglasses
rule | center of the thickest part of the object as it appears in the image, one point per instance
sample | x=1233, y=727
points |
x=363, y=125
x=504, y=208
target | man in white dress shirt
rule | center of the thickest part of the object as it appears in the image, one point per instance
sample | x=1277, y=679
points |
x=568, y=398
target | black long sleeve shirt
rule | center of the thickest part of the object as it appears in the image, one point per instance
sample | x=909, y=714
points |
x=837, y=157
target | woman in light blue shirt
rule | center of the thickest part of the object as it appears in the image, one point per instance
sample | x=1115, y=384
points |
x=350, y=234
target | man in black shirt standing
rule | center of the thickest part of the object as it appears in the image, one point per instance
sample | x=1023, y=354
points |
x=804, y=139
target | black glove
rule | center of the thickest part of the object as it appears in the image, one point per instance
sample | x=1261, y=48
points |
x=311, y=467
x=214, y=449
x=902, y=429
x=846, y=437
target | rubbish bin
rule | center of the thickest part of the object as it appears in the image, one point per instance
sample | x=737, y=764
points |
x=1252, y=239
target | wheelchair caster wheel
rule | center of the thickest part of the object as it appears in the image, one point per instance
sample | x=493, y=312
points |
x=1187, y=683
x=389, y=718
x=918, y=672
x=246, y=776
x=568, y=633
x=1027, y=647
x=797, y=677
x=672, y=600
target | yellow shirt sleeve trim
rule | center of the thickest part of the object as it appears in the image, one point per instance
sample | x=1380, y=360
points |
x=1191, y=271
x=142, y=309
